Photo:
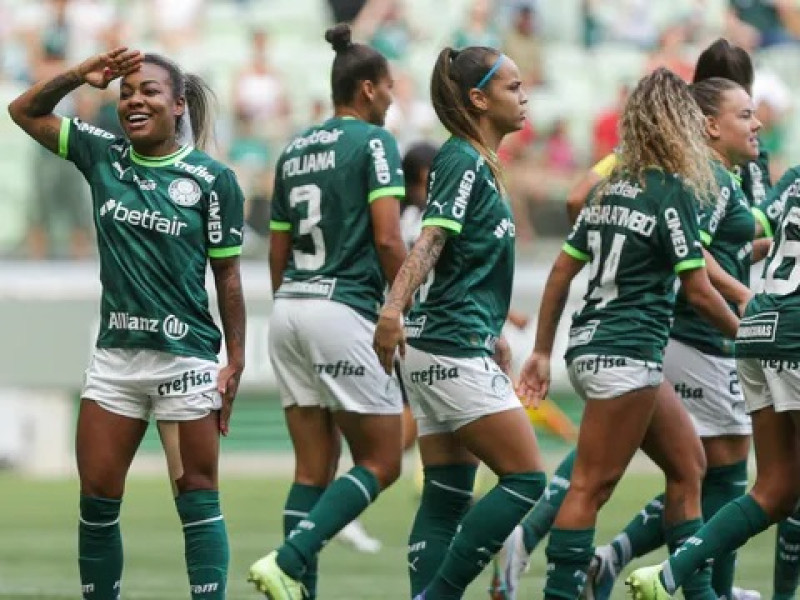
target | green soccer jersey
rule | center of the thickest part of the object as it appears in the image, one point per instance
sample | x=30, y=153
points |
x=755, y=178
x=727, y=228
x=325, y=180
x=770, y=329
x=636, y=238
x=158, y=220
x=460, y=310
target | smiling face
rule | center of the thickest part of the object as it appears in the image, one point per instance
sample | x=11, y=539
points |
x=734, y=130
x=148, y=109
x=503, y=100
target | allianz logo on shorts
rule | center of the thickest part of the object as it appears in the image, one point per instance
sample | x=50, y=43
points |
x=151, y=220
x=172, y=326
x=343, y=368
x=433, y=374
x=185, y=383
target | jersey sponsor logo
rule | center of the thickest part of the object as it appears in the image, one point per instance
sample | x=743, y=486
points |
x=203, y=588
x=583, y=334
x=594, y=364
x=197, y=170
x=623, y=188
x=433, y=374
x=379, y=160
x=146, y=185
x=780, y=365
x=152, y=220
x=319, y=136
x=462, y=197
x=184, y=192
x=128, y=322
x=437, y=205
x=214, y=219
x=501, y=385
x=174, y=328
x=505, y=227
x=415, y=327
x=622, y=216
x=745, y=251
x=719, y=209
x=309, y=163
x=688, y=392
x=187, y=381
x=758, y=328
x=341, y=368
x=757, y=187
x=120, y=171
x=236, y=232
x=676, y=234
x=92, y=130
x=316, y=287
x=775, y=210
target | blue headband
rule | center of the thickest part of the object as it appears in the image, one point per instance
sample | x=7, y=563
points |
x=491, y=72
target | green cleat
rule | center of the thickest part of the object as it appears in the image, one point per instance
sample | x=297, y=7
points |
x=644, y=584
x=270, y=580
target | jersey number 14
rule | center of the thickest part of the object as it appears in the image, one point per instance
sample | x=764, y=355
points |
x=606, y=288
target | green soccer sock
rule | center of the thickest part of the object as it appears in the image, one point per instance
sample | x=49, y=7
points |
x=100, y=548
x=482, y=532
x=642, y=535
x=343, y=501
x=205, y=543
x=787, y=558
x=698, y=585
x=568, y=553
x=299, y=502
x=720, y=486
x=539, y=521
x=446, y=496
x=732, y=526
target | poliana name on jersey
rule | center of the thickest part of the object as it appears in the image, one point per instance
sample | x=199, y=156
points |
x=172, y=327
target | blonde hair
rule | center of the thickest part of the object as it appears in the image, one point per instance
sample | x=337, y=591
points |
x=662, y=126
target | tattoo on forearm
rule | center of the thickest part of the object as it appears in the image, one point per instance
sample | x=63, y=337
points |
x=45, y=99
x=415, y=269
x=232, y=312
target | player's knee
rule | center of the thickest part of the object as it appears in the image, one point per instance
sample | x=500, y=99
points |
x=386, y=470
x=595, y=489
x=777, y=495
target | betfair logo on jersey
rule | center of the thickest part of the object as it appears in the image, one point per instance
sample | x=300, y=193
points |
x=196, y=170
x=623, y=188
x=687, y=392
x=433, y=374
x=320, y=137
x=185, y=383
x=505, y=227
x=152, y=220
x=341, y=368
x=679, y=244
x=462, y=197
x=379, y=160
x=758, y=328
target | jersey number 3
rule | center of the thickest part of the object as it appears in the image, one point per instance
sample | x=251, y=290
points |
x=309, y=226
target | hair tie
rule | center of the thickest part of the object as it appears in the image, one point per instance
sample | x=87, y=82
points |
x=490, y=72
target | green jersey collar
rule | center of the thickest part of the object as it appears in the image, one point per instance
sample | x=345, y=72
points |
x=161, y=161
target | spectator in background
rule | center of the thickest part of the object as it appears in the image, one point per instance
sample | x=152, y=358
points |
x=773, y=102
x=479, y=29
x=410, y=118
x=605, y=130
x=626, y=21
x=391, y=33
x=671, y=52
x=345, y=11
x=59, y=205
x=515, y=154
x=522, y=44
x=176, y=23
x=763, y=23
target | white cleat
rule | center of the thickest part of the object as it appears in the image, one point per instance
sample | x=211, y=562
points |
x=356, y=536
x=743, y=594
x=511, y=562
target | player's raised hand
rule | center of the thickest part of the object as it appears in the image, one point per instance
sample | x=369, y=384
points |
x=101, y=69
x=534, y=379
x=389, y=335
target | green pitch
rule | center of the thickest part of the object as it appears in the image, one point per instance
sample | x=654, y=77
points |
x=38, y=541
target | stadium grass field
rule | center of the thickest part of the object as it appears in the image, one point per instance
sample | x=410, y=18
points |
x=38, y=541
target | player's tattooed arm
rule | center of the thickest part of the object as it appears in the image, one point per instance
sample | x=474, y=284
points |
x=419, y=262
x=230, y=299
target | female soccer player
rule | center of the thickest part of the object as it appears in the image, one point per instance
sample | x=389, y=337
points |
x=335, y=244
x=766, y=354
x=638, y=232
x=455, y=364
x=163, y=210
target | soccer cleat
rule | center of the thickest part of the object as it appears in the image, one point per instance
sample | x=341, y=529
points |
x=742, y=594
x=271, y=581
x=644, y=584
x=354, y=534
x=601, y=575
x=509, y=565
